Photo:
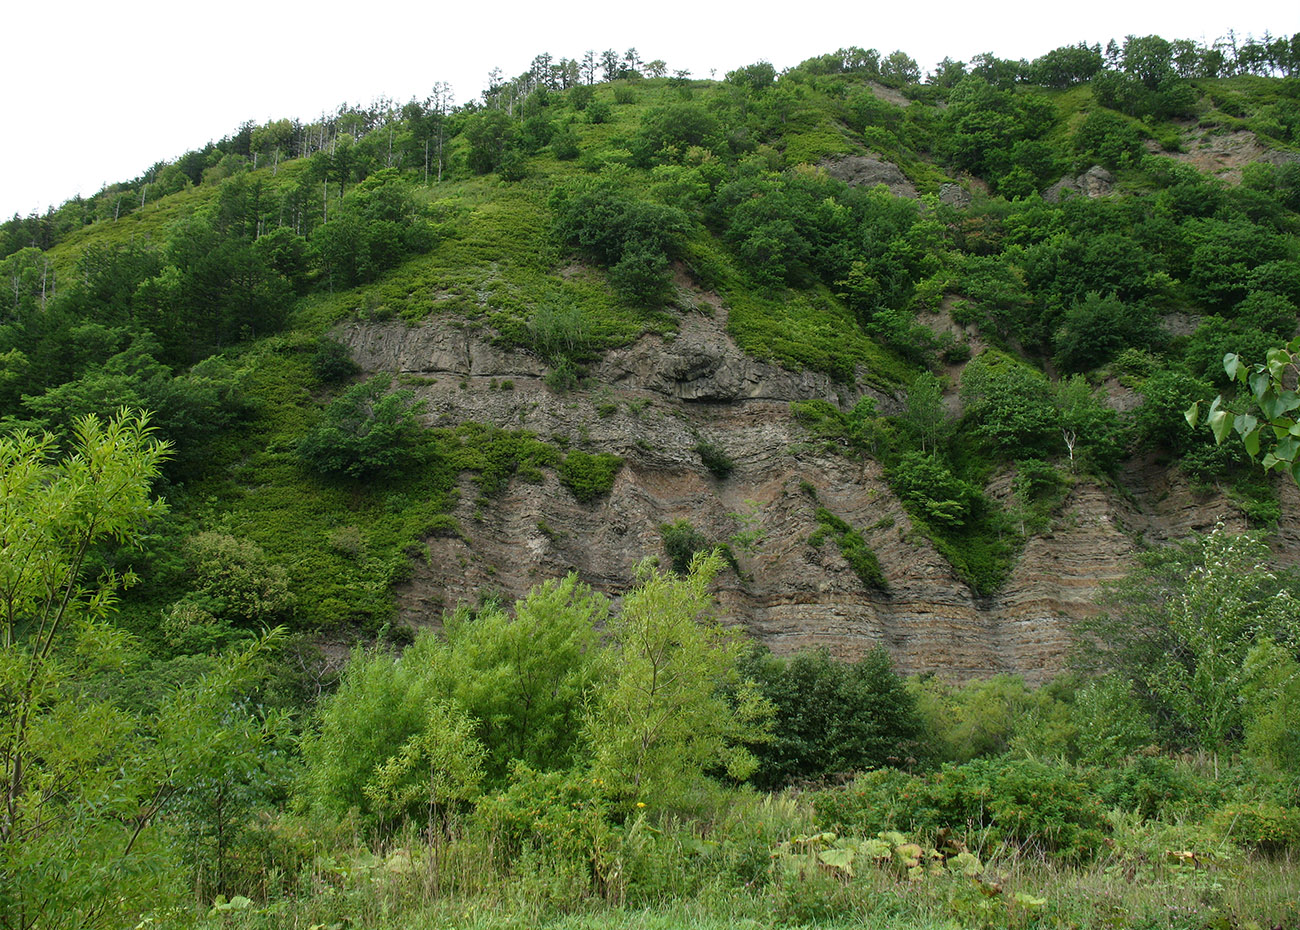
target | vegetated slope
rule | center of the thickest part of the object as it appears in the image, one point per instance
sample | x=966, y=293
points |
x=655, y=315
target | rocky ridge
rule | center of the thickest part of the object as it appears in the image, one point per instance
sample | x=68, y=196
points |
x=660, y=397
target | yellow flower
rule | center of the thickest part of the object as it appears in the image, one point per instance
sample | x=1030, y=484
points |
x=640, y=803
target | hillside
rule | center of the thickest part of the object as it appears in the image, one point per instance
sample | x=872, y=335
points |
x=476, y=417
x=678, y=273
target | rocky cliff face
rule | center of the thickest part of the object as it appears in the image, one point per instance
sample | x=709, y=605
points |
x=656, y=401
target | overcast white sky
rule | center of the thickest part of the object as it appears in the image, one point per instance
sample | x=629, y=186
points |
x=96, y=92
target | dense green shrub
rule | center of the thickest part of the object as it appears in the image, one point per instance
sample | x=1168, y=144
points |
x=1039, y=807
x=1036, y=807
x=589, y=476
x=1154, y=787
x=853, y=547
x=832, y=717
x=681, y=542
x=715, y=459
x=882, y=799
x=635, y=239
x=498, y=688
x=332, y=362
x=1267, y=827
x=1096, y=329
x=931, y=490
x=1008, y=405
x=367, y=431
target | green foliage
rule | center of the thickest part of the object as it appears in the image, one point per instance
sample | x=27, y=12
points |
x=62, y=851
x=365, y=433
x=1117, y=723
x=1152, y=787
x=1269, y=828
x=663, y=718
x=1181, y=628
x=831, y=717
x=1108, y=139
x=853, y=547
x=987, y=130
x=925, y=416
x=229, y=763
x=682, y=542
x=1039, y=808
x=374, y=227
x=1094, y=331
x=715, y=459
x=635, y=239
x=333, y=362
x=491, y=135
x=932, y=491
x=1026, y=802
x=440, y=764
x=85, y=780
x=526, y=677
x=668, y=133
x=1008, y=405
x=236, y=582
x=1271, y=691
x=979, y=719
x=558, y=824
x=1277, y=434
x=498, y=688
x=589, y=476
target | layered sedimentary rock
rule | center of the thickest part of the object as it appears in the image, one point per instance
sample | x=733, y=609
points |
x=653, y=403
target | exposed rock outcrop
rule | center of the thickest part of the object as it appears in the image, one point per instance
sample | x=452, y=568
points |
x=657, y=399
x=1095, y=182
x=1224, y=154
x=868, y=171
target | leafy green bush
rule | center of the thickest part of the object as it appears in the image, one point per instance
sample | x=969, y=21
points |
x=682, y=541
x=1153, y=787
x=715, y=459
x=1008, y=405
x=853, y=547
x=1267, y=827
x=332, y=362
x=882, y=799
x=235, y=580
x=589, y=476
x=1096, y=329
x=832, y=717
x=931, y=490
x=561, y=816
x=366, y=432
x=634, y=238
x=1032, y=804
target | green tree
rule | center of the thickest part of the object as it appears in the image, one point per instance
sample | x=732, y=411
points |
x=73, y=798
x=924, y=415
x=1008, y=405
x=367, y=431
x=664, y=716
x=1180, y=627
x=1090, y=429
x=832, y=717
x=525, y=677
x=502, y=688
